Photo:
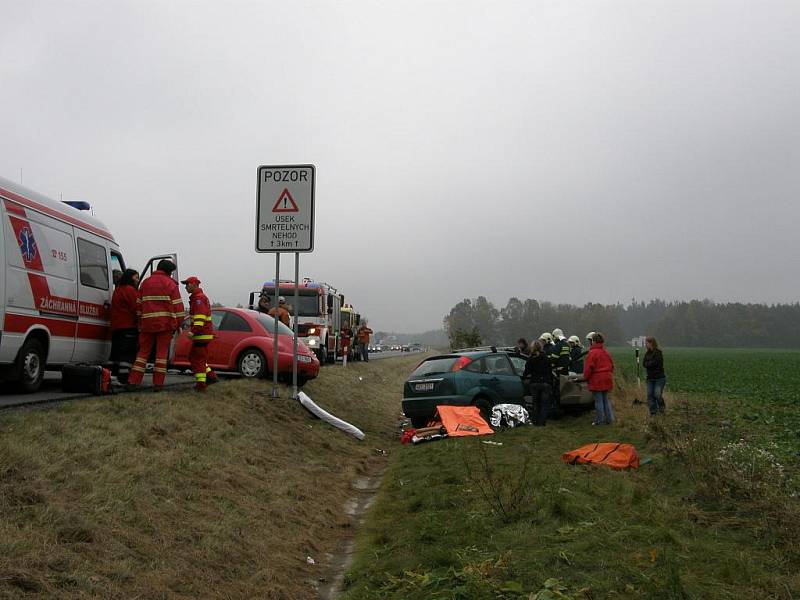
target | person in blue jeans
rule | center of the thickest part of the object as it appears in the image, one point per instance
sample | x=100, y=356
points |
x=656, y=377
x=598, y=371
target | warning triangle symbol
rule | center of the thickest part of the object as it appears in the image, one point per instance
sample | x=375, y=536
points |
x=285, y=203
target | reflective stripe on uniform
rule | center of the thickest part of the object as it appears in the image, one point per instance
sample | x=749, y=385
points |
x=145, y=298
x=202, y=338
x=178, y=301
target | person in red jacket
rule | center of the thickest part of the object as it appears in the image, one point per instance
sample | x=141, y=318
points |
x=202, y=333
x=598, y=371
x=160, y=311
x=124, y=331
x=345, y=339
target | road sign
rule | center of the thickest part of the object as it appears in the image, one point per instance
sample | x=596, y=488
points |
x=285, y=208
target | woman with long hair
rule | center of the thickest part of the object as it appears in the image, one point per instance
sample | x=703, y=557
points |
x=656, y=377
x=538, y=376
x=124, y=324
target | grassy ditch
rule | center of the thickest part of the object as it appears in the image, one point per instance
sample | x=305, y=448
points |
x=707, y=518
x=178, y=495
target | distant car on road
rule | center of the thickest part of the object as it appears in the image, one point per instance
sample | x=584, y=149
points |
x=243, y=343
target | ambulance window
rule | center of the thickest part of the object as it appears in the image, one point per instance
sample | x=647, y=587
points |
x=94, y=264
x=117, y=267
x=117, y=263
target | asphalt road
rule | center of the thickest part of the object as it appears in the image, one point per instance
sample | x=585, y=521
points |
x=51, y=387
x=51, y=390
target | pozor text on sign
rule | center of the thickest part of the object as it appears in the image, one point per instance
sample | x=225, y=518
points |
x=285, y=208
x=286, y=175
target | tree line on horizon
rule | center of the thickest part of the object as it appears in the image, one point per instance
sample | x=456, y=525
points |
x=681, y=323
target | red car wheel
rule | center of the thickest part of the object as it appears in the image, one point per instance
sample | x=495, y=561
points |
x=252, y=363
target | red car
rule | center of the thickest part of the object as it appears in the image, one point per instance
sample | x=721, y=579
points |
x=243, y=343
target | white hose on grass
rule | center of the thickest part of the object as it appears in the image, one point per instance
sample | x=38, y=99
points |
x=315, y=410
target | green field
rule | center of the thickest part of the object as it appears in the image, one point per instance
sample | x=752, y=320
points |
x=762, y=386
x=713, y=513
x=755, y=374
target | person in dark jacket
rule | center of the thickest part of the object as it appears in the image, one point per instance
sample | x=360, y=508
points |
x=656, y=377
x=124, y=330
x=561, y=352
x=522, y=346
x=538, y=375
x=598, y=371
x=576, y=354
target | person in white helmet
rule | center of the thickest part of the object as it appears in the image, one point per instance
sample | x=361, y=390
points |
x=549, y=349
x=560, y=352
x=576, y=354
x=547, y=342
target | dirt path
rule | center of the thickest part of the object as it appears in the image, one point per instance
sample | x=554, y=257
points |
x=336, y=565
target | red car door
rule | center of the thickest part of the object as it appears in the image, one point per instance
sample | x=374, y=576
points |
x=229, y=329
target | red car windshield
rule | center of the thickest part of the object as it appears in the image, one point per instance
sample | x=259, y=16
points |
x=269, y=324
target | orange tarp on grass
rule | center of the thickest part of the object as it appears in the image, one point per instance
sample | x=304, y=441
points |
x=611, y=454
x=463, y=420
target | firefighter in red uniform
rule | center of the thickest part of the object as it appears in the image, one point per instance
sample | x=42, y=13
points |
x=202, y=333
x=160, y=315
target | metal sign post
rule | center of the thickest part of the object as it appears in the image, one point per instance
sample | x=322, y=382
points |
x=295, y=323
x=275, y=305
x=285, y=223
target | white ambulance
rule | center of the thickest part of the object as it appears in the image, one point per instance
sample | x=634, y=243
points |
x=55, y=286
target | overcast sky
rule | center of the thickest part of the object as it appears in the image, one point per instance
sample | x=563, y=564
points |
x=568, y=151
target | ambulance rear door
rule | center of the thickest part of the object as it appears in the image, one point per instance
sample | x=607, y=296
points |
x=40, y=282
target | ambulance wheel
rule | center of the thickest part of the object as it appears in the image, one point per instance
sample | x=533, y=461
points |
x=252, y=363
x=31, y=366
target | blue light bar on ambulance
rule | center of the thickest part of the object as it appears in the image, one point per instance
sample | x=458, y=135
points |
x=79, y=204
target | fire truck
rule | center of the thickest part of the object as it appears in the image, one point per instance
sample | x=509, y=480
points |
x=318, y=313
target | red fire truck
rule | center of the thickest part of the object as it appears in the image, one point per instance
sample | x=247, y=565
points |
x=318, y=313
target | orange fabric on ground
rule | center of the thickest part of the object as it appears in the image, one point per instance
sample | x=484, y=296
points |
x=611, y=454
x=463, y=420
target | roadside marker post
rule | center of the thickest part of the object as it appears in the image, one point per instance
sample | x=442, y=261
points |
x=285, y=224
